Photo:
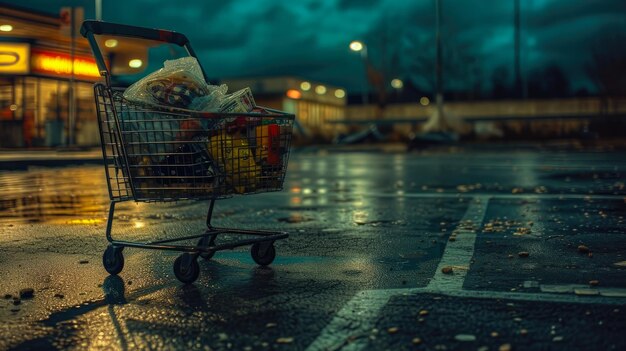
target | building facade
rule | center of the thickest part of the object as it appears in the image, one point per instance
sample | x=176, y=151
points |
x=46, y=80
x=47, y=73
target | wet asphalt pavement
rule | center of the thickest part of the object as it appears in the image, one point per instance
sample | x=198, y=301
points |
x=532, y=243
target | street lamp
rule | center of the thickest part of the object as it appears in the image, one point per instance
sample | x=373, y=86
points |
x=358, y=46
x=397, y=83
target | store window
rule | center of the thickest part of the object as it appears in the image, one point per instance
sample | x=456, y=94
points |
x=7, y=99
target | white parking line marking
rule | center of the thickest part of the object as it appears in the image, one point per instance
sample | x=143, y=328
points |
x=350, y=327
x=355, y=320
x=458, y=253
x=357, y=317
x=516, y=296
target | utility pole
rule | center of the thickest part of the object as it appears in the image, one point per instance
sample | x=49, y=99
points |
x=441, y=123
x=72, y=93
x=516, y=33
x=98, y=10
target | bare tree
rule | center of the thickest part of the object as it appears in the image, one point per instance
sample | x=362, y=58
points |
x=607, y=67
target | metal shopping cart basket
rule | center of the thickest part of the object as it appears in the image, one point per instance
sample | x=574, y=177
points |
x=160, y=154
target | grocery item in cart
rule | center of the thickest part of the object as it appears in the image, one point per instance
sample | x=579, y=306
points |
x=190, y=163
x=177, y=84
x=240, y=101
x=180, y=83
x=233, y=154
x=268, y=144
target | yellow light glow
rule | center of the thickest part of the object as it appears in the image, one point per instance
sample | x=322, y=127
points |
x=340, y=93
x=305, y=86
x=6, y=28
x=14, y=58
x=13, y=107
x=135, y=63
x=46, y=62
x=110, y=43
x=356, y=46
x=424, y=101
x=320, y=90
x=84, y=221
x=294, y=94
x=139, y=224
x=397, y=83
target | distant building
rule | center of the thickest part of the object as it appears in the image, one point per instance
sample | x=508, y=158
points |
x=36, y=78
x=315, y=104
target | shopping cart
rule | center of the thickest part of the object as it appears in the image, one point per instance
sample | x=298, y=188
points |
x=161, y=154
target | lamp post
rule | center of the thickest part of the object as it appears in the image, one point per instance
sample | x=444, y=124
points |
x=441, y=124
x=360, y=47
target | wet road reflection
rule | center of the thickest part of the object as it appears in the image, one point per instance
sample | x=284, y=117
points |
x=356, y=222
x=76, y=194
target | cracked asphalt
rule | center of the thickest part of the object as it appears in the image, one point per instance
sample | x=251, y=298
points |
x=534, y=239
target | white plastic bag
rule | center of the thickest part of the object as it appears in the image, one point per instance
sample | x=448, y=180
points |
x=177, y=84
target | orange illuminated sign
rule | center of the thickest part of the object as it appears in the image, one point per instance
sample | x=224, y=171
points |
x=14, y=58
x=294, y=94
x=60, y=64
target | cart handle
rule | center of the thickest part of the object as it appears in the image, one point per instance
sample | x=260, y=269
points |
x=91, y=28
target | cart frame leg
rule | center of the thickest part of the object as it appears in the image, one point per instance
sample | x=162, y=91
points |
x=110, y=221
x=210, y=214
x=264, y=237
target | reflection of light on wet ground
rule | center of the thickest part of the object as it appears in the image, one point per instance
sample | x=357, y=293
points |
x=296, y=189
x=83, y=221
x=78, y=195
x=296, y=200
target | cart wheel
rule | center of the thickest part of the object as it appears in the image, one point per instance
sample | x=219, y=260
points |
x=267, y=258
x=186, y=268
x=205, y=241
x=113, y=260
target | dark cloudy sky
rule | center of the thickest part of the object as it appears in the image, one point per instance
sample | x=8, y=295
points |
x=309, y=38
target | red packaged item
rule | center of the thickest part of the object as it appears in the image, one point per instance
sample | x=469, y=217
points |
x=268, y=142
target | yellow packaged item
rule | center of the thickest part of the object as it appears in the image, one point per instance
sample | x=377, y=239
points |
x=233, y=153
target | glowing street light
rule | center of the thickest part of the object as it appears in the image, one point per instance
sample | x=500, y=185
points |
x=397, y=83
x=305, y=86
x=110, y=43
x=340, y=93
x=358, y=46
x=135, y=63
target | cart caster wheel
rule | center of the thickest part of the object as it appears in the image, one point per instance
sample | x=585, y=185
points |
x=113, y=260
x=206, y=242
x=268, y=256
x=186, y=268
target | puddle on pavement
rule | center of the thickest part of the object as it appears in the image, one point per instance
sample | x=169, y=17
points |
x=49, y=194
x=68, y=195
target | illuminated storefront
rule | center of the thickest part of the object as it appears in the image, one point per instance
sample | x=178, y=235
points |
x=46, y=77
x=36, y=83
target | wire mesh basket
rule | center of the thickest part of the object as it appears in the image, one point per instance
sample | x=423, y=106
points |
x=165, y=154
